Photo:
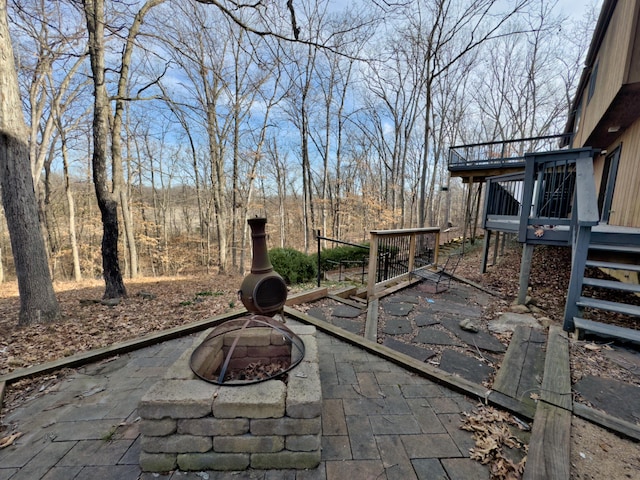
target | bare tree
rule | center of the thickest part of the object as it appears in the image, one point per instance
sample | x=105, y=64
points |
x=446, y=32
x=105, y=194
x=335, y=79
x=109, y=188
x=198, y=44
x=396, y=84
x=525, y=83
x=46, y=47
x=38, y=302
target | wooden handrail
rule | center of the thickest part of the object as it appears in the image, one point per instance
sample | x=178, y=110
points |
x=405, y=231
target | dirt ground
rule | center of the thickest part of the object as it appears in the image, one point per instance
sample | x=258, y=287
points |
x=597, y=454
x=160, y=303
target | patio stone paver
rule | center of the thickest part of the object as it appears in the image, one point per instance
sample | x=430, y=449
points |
x=466, y=366
x=431, y=336
x=349, y=325
x=346, y=311
x=395, y=457
x=397, y=309
x=379, y=421
x=397, y=326
x=455, y=310
x=483, y=340
x=437, y=445
x=317, y=312
x=400, y=298
x=361, y=439
x=336, y=447
x=464, y=468
x=613, y=396
x=425, y=319
x=625, y=356
x=414, y=351
x=451, y=424
x=356, y=469
x=429, y=469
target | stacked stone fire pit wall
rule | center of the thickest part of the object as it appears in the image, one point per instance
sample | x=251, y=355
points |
x=189, y=424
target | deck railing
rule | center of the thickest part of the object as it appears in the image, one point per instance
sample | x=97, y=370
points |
x=553, y=202
x=548, y=195
x=537, y=204
x=503, y=154
x=342, y=263
x=503, y=202
x=396, y=253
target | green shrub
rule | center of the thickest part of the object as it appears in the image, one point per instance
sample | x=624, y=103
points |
x=292, y=265
x=331, y=257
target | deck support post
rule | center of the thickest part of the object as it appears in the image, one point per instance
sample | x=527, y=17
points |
x=485, y=251
x=467, y=213
x=525, y=271
x=474, y=225
x=496, y=244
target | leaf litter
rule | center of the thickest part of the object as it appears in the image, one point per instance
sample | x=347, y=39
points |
x=496, y=443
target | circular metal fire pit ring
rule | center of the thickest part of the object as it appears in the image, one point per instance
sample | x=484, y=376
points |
x=243, y=324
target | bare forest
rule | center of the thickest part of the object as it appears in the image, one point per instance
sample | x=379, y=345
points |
x=153, y=129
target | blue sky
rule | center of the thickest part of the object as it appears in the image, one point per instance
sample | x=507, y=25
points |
x=577, y=8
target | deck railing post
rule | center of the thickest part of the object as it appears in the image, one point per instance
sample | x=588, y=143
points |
x=412, y=251
x=373, y=266
x=578, y=264
x=527, y=197
x=584, y=217
x=319, y=270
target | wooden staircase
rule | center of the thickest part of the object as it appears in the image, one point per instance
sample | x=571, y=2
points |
x=616, y=258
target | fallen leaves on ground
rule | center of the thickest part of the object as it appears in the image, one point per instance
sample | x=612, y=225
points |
x=153, y=304
x=496, y=444
x=9, y=439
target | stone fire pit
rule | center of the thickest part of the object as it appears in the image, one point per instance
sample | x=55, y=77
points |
x=189, y=424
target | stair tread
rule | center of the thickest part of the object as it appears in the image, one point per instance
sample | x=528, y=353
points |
x=607, y=305
x=611, y=284
x=615, y=247
x=613, y=265
x=606, y=329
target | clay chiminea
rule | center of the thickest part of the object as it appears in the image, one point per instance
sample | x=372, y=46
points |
x=263, y=291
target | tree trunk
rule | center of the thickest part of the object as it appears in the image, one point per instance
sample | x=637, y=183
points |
x=127, y=222
x=38, y=302
x=107, y=201
x=77, y=273
x=218, y=185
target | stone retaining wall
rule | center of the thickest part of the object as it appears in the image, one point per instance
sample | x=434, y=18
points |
x=190, y=424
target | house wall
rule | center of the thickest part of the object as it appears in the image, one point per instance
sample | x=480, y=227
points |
x=598, y=167
x=626, y=205
x=634, y=65
x=613, y=67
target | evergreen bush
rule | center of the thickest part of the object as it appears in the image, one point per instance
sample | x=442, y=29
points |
x=330, y=258
x=292, y=265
